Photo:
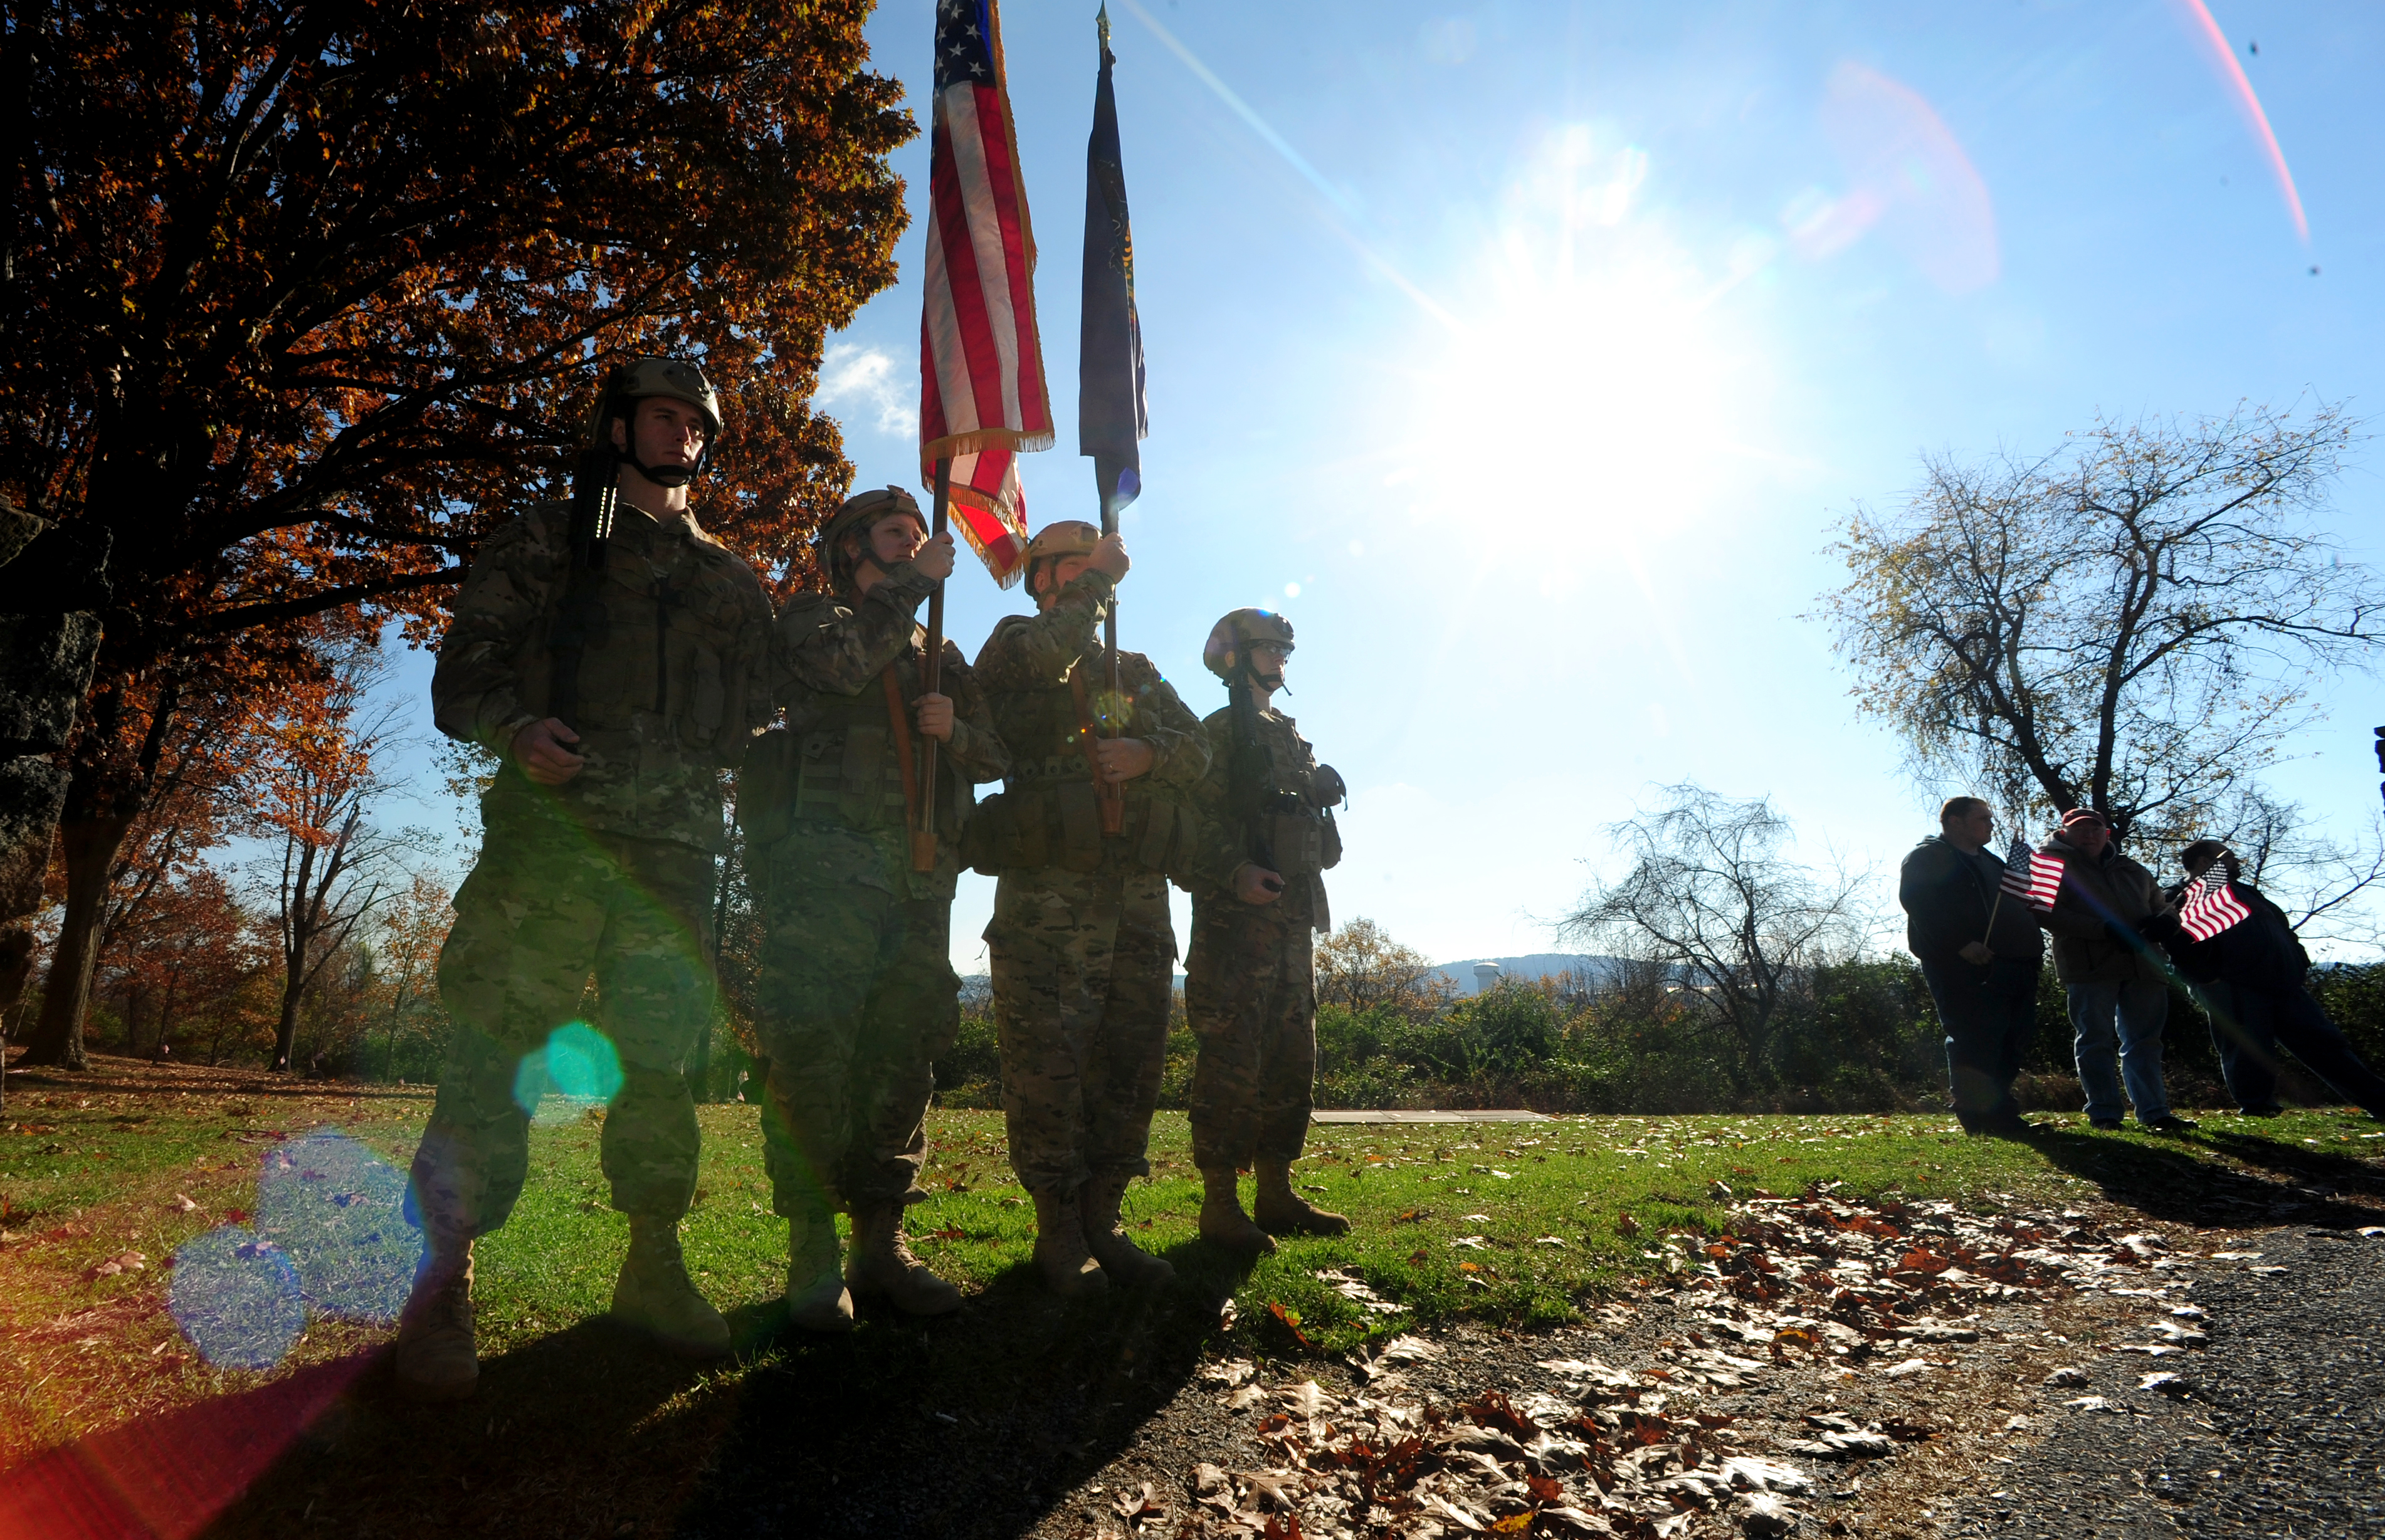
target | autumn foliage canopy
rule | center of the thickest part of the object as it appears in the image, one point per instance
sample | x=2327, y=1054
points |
x=298, y=300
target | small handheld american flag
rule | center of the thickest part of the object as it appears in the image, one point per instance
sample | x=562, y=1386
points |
x=2032, y=876
x=2210, y=908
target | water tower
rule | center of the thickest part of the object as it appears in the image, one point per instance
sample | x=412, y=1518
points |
x=1485, y=975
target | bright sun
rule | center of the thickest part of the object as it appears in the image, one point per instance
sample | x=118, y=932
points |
x=1588, y=365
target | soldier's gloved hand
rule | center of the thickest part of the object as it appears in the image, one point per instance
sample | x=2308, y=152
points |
x=1109, y=557
x=935, y=714
x=934, y=561
x=1122, y=758
x=538, y=749
x=1255, y=884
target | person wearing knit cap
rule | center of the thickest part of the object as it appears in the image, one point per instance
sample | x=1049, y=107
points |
x=2108, y=912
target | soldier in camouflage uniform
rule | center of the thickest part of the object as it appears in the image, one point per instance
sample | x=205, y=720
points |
x=1081, y=944
x=1250, y=984
x=616, y=694
x=857, y=992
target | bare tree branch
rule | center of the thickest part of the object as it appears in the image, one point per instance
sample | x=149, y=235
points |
x=2133, y=624
x=1711, y=900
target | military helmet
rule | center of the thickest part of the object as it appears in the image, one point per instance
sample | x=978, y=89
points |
x=1068, y=537
x=641, y=379
x=679, y=379
x=854, y=516
x=1239, y=630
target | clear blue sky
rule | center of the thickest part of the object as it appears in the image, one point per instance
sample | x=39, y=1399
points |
x=1524, y=355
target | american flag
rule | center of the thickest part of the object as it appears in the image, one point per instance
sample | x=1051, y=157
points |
x=982, y=396
x=2032, y=876
x=2210, y=908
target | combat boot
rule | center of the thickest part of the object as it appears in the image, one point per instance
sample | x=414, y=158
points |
x=1060, y=1254
x=1127, y=1263
x=1222, y=1220
x=436, y=1359
x=817, y=1300
x=654, y=1295
x=1284, y=1212
x=883, y=1264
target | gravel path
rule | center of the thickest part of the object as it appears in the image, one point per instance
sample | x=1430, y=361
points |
x=2277, y=1428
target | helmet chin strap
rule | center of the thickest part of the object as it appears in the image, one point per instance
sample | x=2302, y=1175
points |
x=661, y=476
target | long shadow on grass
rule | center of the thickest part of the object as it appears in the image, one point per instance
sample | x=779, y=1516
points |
x=969, y=1425
x=577, y=1432
x=960, y=1428
x=2167, y=1181
x=168, y=1475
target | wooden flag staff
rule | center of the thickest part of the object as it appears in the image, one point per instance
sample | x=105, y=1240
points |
x=932, y=678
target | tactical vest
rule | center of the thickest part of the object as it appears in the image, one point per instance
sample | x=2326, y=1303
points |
x=841, y=761
x=1294, y=832
x=1047, y=814
x=660, y=652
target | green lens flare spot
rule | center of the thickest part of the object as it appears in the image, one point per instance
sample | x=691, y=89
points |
x=582, y=1065
x=578, y=1064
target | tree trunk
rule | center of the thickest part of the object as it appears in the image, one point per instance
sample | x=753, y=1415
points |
x=389, y=1057
x=285, y=1036
x=302, y=908
x=88, y=844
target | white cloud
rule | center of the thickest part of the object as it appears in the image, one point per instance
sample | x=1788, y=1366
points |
x=866, y=378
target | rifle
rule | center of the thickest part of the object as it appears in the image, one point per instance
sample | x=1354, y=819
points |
x=594, y=492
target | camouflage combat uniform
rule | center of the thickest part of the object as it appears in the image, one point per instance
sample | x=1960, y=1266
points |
x=609, y=875
x=1249, y=983
x=1082, y=948
x=857, y=992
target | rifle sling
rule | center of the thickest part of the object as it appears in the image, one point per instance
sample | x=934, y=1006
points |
x=899, y=722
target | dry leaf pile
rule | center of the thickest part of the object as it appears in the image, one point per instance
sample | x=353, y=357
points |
x=1887, y=1289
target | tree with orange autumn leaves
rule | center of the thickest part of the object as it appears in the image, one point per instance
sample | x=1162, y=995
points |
x=299, y=300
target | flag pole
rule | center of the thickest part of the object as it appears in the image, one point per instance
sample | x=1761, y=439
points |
x=1112, y=798
x=932, y=678
x=1109, y=370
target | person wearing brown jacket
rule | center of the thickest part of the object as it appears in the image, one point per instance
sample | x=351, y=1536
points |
x=2118, y=990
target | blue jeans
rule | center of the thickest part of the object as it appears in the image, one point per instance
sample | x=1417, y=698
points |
x=1988, y=1014
x=2247, y=1025
x=2122, y=1023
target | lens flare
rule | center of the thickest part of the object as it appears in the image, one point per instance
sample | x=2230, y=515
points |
x=332, y=1238
x=1909, y=179
x=338, y=1211
x=2206, y=31
x=579, y=1064
x=236, y=1297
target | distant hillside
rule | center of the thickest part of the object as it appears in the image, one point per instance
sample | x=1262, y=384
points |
x=1529, y=967
x=978, y=987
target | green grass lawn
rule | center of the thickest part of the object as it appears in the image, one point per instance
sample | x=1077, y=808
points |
x=1514, y=1224
x=1509, y=1225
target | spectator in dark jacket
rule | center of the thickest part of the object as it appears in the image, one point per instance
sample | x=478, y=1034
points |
x=1980, y=952
x=2250, y=979
x=2117, y=986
